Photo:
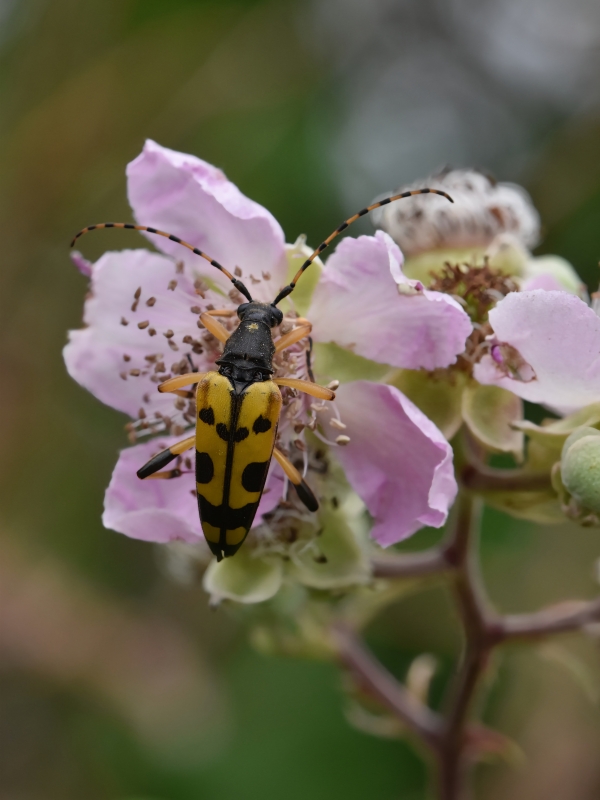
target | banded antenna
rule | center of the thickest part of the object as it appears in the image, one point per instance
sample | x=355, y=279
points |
x=291, y=286
x=129, y=226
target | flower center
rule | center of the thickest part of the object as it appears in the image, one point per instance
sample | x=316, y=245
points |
x=477, y=288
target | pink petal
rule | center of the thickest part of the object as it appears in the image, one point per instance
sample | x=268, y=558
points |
x=190, y=198
x=152, y=510
x=158, y=510
x=558, y=337
x=95, y=354
x=397, y=460
x=364, y=302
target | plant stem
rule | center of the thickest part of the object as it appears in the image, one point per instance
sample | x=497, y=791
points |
x=560, y=618
x=476, y=618
x=483, y=478
x=372, y=676
x=411, y=565
x=454, y=744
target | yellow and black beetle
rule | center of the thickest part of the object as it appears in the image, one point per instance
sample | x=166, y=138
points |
x=237, y=408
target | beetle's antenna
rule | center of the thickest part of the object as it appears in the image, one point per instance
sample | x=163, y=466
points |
x=238, y=284
x=291, y=286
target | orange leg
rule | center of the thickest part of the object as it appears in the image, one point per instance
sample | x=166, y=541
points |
x=150, y=469
x=222, y=312
x=313, y=389
x=292, y=337
x=304, y=493
x=174, y=384
x=219, y=331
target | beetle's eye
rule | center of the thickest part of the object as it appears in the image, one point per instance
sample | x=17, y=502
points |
x=277, y=316
x=241, y=309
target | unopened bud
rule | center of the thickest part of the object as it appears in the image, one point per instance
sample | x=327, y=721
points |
x=580, y=467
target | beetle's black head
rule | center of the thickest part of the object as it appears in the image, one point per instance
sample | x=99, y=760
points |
x=260, y=312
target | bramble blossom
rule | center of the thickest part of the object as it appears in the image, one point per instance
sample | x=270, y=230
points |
x=477, y=250
x=142, y=326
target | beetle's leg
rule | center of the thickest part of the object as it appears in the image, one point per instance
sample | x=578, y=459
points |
x=222, y=312
x=173, y=384
x=160, y=460
x=297, y=481
x=219, y=331
x=321, y=392
x=292, y=337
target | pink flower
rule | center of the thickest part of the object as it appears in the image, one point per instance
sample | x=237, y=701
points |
x=142, y=325
x=546, y=349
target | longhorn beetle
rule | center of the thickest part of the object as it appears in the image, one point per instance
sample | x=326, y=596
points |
x=238, y=407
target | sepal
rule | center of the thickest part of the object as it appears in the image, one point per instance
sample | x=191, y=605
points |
x=245, y=578
x=337, y=558
x=490, y=414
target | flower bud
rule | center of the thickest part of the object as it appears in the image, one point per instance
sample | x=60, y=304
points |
x=580, y=467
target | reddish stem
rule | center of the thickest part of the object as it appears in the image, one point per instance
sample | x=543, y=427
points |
x=457, y=561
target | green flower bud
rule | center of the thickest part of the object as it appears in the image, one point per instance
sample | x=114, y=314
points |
x=580, y=467
x=575, y=436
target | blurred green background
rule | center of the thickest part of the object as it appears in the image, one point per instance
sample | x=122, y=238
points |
x=114, y=682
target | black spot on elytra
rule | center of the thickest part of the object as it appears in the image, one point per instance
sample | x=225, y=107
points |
x=253, y=476
x=241, y=434
x=204, y=468
x=222, y=431
x=207, y=415
x=261, y=424
x=226, y=519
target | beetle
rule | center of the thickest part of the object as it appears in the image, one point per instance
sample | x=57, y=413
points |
x=238, y=406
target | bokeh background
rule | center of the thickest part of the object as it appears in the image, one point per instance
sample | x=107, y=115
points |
x=116, y=683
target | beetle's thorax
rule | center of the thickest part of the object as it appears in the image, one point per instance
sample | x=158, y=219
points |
x=248, y=354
